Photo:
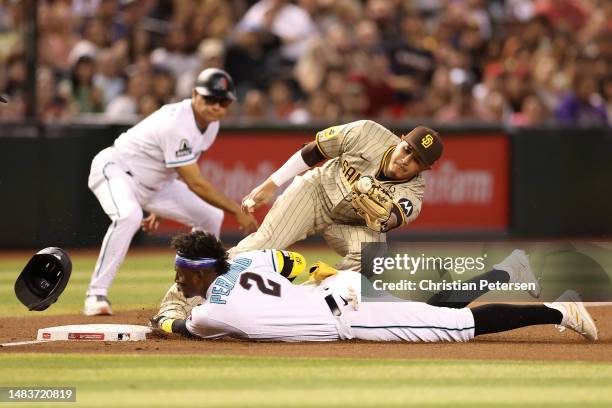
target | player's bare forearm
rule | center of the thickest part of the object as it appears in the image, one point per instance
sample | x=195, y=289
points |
x=209, y=193
x=205, y=189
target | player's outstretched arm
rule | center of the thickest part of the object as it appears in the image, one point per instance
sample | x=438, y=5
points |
x=208, y=192
x=311, y=154
x=301, y=161
x=259, y=196
x=170, y=326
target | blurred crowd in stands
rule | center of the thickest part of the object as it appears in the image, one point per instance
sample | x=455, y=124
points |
x=511, y=62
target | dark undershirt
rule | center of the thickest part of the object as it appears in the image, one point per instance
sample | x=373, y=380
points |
x=311, y=154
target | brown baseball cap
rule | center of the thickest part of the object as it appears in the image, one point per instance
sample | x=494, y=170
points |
x=426, y=143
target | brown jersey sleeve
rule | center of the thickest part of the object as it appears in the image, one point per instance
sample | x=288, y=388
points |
x=335, y=140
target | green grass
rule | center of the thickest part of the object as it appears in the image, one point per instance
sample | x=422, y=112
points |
x=197, y=380
x=141, y=282
x=149, y=381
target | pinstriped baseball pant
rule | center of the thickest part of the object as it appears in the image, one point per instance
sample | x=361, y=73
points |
x=299, y=212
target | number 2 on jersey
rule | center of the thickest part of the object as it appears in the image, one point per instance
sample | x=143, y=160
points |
x=275, y=289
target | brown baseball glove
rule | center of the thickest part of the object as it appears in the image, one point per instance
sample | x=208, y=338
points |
x=372, y=202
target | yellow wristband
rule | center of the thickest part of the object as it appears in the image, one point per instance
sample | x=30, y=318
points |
x=167, y=325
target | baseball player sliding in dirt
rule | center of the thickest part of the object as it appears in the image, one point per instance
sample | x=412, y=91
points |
x=372, y=184
x=140, y=172
x=251, y=298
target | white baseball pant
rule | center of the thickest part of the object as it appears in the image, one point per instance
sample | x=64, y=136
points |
x=396, y=320
x=122, y=198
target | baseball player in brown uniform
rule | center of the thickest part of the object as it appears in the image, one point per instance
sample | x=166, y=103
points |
x=322, y=200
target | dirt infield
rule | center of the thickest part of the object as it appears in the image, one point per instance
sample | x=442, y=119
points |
x=531, y=343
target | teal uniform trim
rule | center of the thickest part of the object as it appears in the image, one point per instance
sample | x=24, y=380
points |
x=412, y=327
x=113, y=225
x=272, y=253
x=172, y=163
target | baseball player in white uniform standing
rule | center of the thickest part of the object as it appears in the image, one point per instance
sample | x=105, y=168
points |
x=140, y=172
x=251, y=298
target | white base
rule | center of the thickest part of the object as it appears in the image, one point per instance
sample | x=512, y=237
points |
x=94, y=332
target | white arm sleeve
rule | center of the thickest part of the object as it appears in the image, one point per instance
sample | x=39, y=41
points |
x=292, y=167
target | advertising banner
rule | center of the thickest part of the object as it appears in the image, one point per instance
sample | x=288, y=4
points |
x=467, y=190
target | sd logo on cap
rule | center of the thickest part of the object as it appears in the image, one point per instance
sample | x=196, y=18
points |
x=426, y=144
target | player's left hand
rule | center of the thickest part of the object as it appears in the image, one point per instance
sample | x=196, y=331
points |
x=150, y=223
x=373, y=203
x=248, y=223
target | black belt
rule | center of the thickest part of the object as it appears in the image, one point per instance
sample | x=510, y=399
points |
x=333, y=305
x=129, y=173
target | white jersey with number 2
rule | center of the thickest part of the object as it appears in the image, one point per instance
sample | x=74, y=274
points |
x=253, y=301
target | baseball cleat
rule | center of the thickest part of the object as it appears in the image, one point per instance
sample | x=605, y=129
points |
x=97, y=305
x=575, y=315
x=518, y=267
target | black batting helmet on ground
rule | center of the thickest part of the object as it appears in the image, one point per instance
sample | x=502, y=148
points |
x=215, y=82
x=44, y=278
